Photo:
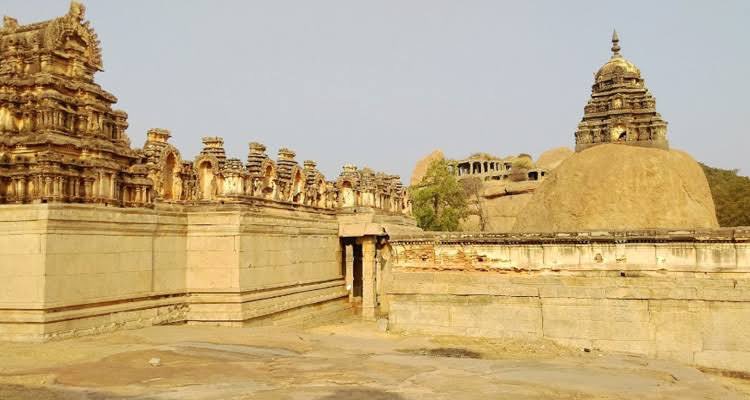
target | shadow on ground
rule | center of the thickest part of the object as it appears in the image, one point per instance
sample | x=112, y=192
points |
x=20, y=392
x=357, y=394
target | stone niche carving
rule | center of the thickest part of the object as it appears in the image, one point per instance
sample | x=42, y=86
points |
x=61, y=140
x=367, y=188
x=212, y=177
x=621, y=108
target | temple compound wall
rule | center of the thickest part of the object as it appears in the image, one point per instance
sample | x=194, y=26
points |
x=96, y=235
x=77, y=269
x=675, y=295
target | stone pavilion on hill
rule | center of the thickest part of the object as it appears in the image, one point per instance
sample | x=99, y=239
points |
x=621, y=108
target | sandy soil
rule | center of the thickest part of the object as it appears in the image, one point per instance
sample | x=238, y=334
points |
x=345, y=360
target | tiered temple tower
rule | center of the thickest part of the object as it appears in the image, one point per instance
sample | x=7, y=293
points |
x=60, y=139
x=621, y=108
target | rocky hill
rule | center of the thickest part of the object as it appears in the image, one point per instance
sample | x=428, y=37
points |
x=618, y=187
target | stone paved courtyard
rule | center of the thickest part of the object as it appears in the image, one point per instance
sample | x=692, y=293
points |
x=343, y=360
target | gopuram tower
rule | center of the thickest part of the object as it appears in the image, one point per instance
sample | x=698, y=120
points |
x=60, y=138
x=621, y=108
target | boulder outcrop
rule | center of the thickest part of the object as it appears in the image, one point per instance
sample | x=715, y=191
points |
x=552, y=158
x=616, y=187
x=421, y=168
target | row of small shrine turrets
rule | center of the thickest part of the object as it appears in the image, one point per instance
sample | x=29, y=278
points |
x=212, y=177
x=62, y=141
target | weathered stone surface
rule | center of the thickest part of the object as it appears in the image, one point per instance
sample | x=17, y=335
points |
x=345, y=360
x=497, y=189
x=84, y=269
x=503, y=201
x=625, y=292
x=421, y=168
x=552, y=158
x=621, y=187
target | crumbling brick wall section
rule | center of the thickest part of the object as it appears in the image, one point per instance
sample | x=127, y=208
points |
x=682, y=296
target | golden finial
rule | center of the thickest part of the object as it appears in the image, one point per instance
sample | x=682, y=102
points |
x=615, y=44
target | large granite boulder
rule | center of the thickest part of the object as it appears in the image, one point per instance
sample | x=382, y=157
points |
x=421, y=168
x=552, y=158
x=616, y=187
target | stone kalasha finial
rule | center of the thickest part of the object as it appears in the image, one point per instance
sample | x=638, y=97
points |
x=77, y=10
x=10, y=22
x=257, y=148
x=615, y=44
x=309, y=164
x=158, y=135
x=286, y=154
x=213, y=141
x=350, y=168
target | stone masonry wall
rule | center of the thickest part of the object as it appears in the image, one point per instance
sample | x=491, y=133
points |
x=246, y=264
x=673, y=295
x=68, y=269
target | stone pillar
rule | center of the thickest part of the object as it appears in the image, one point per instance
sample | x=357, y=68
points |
x=76, y=188
x=21, y=192
x=56, y=187
x=99, y=185
x=117, y=192
x=349, y=272
x=369, y=297
x=88, y=187
x=12, y=190
x=47, y=187
x=34, y=186
x=112, y=186
x=378, y=275
x=384, y=276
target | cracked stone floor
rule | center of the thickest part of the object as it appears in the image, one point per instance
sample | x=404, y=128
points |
x=341, y=360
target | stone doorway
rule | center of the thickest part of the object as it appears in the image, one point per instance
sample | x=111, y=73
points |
x=357, y=272
x=360, y=274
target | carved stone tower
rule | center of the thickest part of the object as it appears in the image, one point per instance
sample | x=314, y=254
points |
x=621, y=108
x=60, y=138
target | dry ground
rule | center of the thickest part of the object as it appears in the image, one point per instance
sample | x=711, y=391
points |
x=345, y=360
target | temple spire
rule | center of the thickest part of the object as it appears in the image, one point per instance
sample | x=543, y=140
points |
x=615, y=44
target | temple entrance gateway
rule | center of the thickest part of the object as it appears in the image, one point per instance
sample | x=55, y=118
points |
x=363, y=273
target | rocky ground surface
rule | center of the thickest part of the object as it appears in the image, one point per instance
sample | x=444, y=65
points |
x=344, y=360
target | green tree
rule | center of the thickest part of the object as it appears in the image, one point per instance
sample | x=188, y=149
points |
x=438, y=201
x=475, y=206
x=731, y=194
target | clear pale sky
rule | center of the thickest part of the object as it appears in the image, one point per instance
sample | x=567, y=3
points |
x=382, y=83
